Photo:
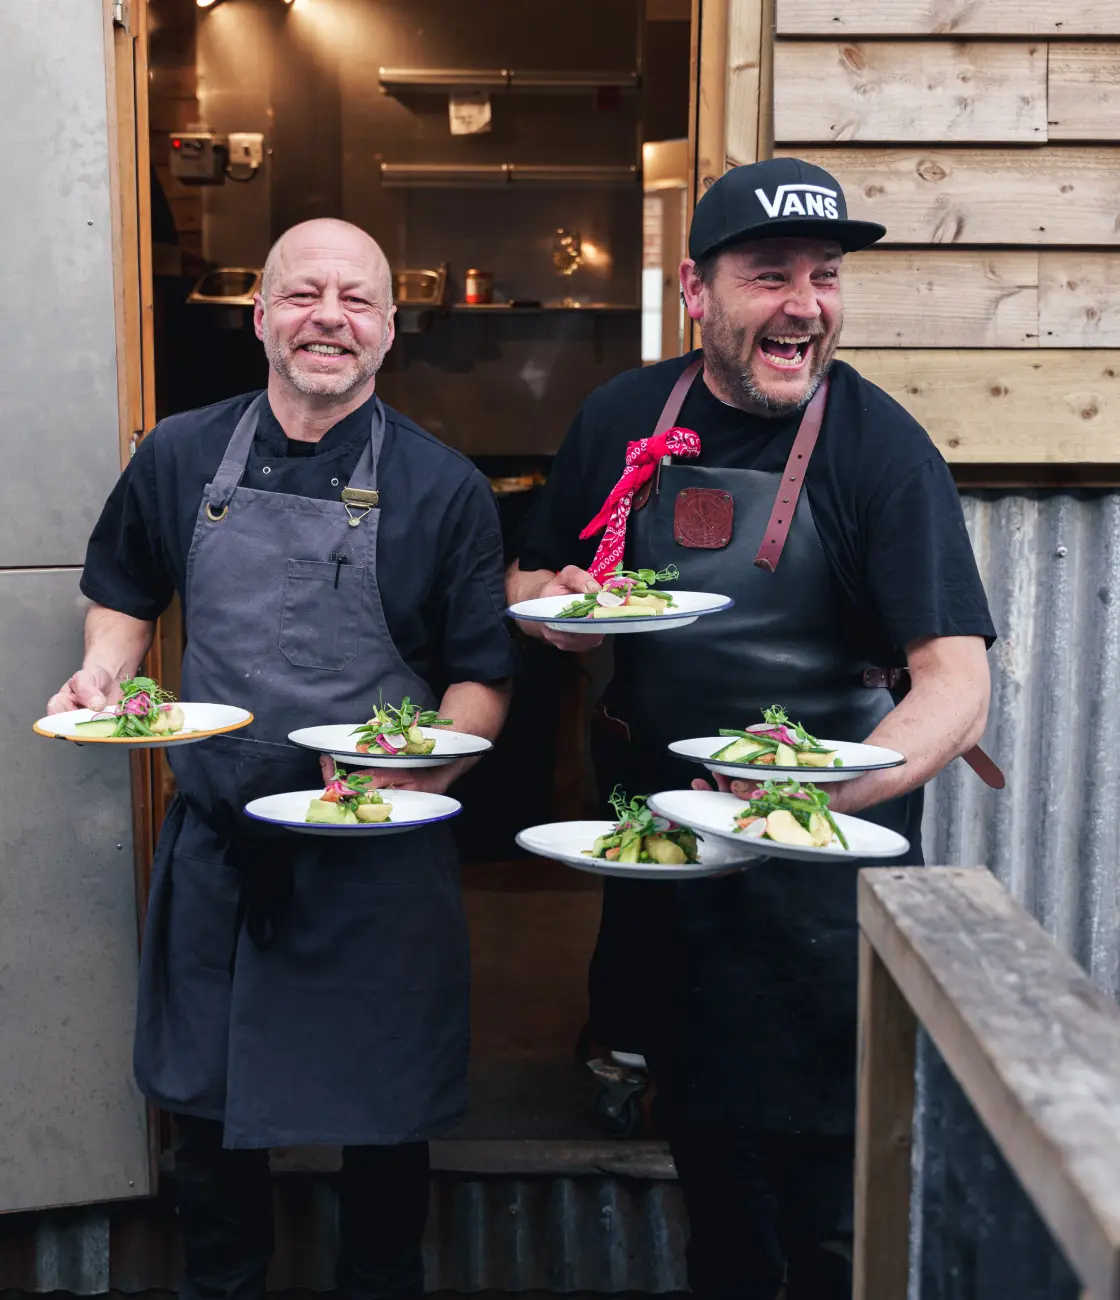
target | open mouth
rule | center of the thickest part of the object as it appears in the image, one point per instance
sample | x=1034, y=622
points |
x=786, y=351
x=324, y=349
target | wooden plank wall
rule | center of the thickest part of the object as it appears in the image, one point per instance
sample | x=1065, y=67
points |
x=985, y=135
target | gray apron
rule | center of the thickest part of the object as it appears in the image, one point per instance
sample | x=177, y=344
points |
x=301, y=990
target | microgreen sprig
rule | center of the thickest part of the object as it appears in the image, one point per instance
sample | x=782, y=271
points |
x=398, y=721
x=627, y=582
x=141, y=703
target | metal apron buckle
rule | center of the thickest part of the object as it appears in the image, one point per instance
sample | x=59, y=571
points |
x=216, y=518
x=361, y=497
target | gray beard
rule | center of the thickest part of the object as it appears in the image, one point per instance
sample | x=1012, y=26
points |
x=280, y=360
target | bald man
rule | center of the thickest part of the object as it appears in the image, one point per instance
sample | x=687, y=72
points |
x=301, y=990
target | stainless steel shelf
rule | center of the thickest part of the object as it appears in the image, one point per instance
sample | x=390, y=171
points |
x=508, y=309
x=492, y=175
x=443, y=80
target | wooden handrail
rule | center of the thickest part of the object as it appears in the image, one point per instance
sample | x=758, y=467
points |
x=1034, y=1045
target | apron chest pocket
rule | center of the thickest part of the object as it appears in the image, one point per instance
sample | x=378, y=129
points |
x=321, y=617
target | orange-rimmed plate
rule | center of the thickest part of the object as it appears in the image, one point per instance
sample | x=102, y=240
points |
x=201, y=722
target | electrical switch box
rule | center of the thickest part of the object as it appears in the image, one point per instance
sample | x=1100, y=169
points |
x=198, y=157
x=246, y=149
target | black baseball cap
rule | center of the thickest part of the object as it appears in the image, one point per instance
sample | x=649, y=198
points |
x=776, y=198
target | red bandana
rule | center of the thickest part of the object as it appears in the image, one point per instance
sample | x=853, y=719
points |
x=641, y=460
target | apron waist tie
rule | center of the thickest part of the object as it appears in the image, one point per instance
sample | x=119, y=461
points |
x=266, y=893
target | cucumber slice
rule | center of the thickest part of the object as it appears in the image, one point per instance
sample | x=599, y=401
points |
x=785, y=756
x=97, y=728
x=741, y=751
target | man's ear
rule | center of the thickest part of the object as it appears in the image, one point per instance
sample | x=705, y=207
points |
x=692, y=289
x=258, y=317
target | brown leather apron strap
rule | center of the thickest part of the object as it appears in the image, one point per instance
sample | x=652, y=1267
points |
x=673, y=403
x=793, y=479
x=898, y=679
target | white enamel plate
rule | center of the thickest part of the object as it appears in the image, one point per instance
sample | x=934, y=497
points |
x=855, y=759
x=412, y=809
x=565, y=841
x=202, y=721
x=339, y=742
x=688, y=606
x=713, y=813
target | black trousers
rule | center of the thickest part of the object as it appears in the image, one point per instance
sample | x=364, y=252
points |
x=763, y=1208
x=225, y=1218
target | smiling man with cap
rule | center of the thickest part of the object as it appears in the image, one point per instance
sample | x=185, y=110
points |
x=741, y=991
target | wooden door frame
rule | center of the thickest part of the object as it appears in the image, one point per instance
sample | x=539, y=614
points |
x=731, y=118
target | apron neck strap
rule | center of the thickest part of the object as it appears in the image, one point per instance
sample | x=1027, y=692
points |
x=364, y=477
x=673, y=403
x=793, y=478
x=232, y=469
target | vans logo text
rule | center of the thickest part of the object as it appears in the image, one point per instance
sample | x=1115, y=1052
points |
x=814, y=201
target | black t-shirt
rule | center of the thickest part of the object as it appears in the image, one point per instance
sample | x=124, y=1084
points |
x=885, y=506
x=439, y=546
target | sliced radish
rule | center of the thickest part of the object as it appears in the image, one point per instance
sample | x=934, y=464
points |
x=609, y=600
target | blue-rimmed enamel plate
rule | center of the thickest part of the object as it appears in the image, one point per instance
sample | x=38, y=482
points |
x=340, y=741
x=687, y=607
x=412, y=809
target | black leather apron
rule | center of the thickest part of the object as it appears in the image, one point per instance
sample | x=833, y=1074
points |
x=752, y=976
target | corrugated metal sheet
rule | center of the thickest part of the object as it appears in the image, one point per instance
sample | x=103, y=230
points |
x=1050, y=562
x=1051, y=565
x=561, y=1235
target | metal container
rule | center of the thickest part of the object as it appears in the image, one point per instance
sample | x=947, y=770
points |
x=479, y=286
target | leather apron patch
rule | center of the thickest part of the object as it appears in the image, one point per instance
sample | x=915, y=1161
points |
x=703, y=518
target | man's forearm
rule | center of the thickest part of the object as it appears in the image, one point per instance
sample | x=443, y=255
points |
x=477, y=708
x=943, y=715
x=116, y=642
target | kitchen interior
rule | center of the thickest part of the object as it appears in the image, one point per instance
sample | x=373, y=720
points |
x=524, y=167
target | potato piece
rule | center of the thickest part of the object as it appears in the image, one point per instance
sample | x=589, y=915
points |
x=419, y=748
x=373, y=812
x=816, y=760
x=663, y=851
x=820, y=831
x=621, y=611
x=784, y=828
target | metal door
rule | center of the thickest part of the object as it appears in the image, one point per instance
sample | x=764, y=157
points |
x=75, y=1128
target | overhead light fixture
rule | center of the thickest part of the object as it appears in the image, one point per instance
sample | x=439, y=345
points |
x=207, y=4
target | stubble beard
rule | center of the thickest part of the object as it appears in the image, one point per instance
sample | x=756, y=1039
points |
x=724, y=349
x=281, y=357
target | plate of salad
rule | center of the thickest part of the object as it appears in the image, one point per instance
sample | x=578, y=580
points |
x=781, y=819
x=630, y=601
x=777, y=746
x=350, y=805
x=403, y=735
x=637, y=844
x=145, y=717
